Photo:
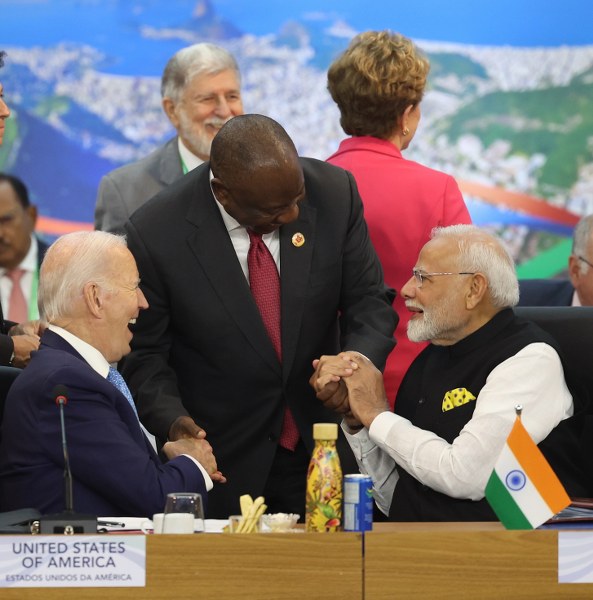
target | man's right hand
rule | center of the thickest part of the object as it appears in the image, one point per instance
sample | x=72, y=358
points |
x=328, y=381
x=23, y=346
x=185, y=427
x=201, y=450
x=28, y=328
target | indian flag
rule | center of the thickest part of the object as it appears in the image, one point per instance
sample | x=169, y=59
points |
x=523, y=490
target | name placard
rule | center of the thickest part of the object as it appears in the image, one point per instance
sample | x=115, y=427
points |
x=73, y=561
x=575, y=557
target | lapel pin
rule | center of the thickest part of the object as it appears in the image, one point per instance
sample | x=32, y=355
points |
x=298, y=239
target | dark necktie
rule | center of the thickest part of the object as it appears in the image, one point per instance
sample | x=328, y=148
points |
x=265, y=287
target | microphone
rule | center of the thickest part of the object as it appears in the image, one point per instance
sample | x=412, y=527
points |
x=60, y=393
x=67, y=522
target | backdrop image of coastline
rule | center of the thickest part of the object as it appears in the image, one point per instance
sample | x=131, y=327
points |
x=512, y=123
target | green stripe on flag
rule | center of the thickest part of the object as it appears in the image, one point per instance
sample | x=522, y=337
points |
x=504, y=505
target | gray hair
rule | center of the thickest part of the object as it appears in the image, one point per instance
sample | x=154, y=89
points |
x=480, y=251
x=580, y=240
x=71, y=262
x=198, y=59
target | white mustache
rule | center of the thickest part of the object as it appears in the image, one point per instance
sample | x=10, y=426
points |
x=214, y=122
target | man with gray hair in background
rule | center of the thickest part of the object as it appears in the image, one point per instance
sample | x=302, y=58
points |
x=431, y=460
x=201, y=91
x=575, y=291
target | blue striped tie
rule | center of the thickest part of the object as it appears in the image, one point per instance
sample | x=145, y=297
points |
x=117, y=380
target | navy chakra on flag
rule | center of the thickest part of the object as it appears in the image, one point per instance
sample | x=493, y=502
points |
x=516, y=480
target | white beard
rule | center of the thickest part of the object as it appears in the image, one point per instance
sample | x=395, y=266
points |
x=435, y=323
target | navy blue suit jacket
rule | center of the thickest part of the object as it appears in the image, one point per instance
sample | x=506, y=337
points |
x=545, y=292
x=115, y=470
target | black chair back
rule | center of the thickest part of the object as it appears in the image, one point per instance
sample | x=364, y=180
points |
x=572, y=328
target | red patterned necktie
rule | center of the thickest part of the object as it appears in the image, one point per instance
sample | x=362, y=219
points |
x=17, y=305
x=265, y=287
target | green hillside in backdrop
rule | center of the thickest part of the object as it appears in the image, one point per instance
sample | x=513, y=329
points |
x=557, y=122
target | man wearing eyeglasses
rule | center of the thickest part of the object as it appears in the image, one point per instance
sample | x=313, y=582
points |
x=575, y=291
x=431, y=460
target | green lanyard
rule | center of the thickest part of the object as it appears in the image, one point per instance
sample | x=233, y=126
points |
x=33, y=308
x=184, y=166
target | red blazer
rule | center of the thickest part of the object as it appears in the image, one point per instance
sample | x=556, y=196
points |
x=403, y=201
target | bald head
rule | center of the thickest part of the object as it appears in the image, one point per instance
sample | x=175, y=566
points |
x=248, y=143
x=257, y=174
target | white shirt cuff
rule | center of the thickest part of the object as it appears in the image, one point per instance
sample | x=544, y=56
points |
x=207, y=479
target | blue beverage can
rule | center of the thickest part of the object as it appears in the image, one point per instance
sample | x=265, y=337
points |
x=358, y=503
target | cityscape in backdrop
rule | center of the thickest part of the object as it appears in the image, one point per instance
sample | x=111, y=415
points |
x=510, y=118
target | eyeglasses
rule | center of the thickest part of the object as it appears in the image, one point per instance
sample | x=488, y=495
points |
x=585, y=261
x=420, y=276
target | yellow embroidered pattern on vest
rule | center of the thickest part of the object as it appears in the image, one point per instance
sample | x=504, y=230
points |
x=457, y=397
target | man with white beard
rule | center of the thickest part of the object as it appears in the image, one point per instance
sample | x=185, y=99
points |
x=431, y=459
x=201, y=91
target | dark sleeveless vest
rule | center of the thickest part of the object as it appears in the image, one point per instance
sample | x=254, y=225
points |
x=467, y=364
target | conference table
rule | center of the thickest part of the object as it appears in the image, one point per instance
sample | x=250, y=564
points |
x=395, y=560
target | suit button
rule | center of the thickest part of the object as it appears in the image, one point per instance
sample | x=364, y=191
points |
x=421, y=401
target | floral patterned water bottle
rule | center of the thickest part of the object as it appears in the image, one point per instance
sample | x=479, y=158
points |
x=323, y=510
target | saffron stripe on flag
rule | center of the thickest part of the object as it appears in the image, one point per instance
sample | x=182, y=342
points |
x=503, y=504
x=527, y=496
x=536, y=468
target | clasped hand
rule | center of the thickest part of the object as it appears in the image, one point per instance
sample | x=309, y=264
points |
x=25, y=339
x=186, y=437
x=351, y=385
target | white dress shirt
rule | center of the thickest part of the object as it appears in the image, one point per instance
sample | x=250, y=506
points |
x=189, y=159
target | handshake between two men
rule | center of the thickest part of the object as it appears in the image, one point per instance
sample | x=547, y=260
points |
x=351, y=385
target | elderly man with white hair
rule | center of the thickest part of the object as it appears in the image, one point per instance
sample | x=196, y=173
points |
x=431, y=459
x=89, y=294
x=201, y=91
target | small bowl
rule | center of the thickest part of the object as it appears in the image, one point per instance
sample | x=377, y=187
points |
x=277, y=522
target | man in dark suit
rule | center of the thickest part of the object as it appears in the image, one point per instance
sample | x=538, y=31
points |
x=16, y=342
x=202, y=354
x=201, y=90
x=576, y=291
x=89, y=294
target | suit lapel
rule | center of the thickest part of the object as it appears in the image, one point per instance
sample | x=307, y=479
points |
x=57, y=342
x=212, y=248
x=295, y=267
x=169, y=166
